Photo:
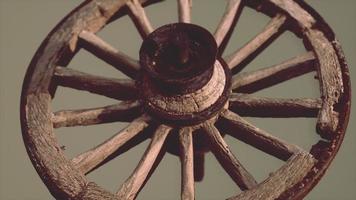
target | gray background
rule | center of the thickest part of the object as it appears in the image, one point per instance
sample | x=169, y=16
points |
x=25, y=23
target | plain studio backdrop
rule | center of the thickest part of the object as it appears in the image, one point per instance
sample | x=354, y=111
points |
x=25, y=23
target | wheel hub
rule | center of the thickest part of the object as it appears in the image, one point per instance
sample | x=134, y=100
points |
x=183, y=81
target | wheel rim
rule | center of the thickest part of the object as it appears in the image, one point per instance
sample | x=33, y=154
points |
x=60, y=47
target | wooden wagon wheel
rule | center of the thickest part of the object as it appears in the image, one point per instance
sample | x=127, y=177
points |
x=202, y=98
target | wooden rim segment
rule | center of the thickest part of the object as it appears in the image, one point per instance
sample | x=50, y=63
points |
x=66, y=179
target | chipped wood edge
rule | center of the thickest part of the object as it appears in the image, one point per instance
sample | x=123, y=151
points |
x=284, y=178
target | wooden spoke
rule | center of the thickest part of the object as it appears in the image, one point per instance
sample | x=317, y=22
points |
x=66, y=179
x=139, y=17
x=249, y=82
x=227, y=20
x=199, y=160
x=125, y=11
x=284, y=178
x=248, y=105
x=121, y=89
x=91, y=158
x=132, y=143
x=227, y=160
x=187, y=160
x=254, y=46
x=134, y=183
x=124, y=111
x=109, y=54
x=184, y=10
x=239, y=128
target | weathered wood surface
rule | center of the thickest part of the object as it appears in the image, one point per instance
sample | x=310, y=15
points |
x=139, y=17
x=93, y=157
x=272, y=29
x=184, y=10
x=188, y=103
x=61, y=45
x=249, y=82
x=121, y=89
x=331, y=83
x=130, y=144
x=239, y=128
x=94, y=192
x=252, y=106
x=226, y=21
x=187, y=163
x=284, y=178
x=303, y=17
x=124, y=111
x=132, y=185
x=227, y=159
x=98, y=47
x=62, y=179
x=66, y=182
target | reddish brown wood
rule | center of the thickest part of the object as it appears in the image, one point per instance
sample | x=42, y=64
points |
x=239, y=128
x=272, y=29
x=184, y=9
x=121, y=89
x=331, y=84
x=124, y=111
x=284, y=178
x=251, y=106
x=293, y=181
x=187, y=160
x=252, y=81
x=88, y=160
x=109, y=54
x=226, y=21
x=139, y=16
x=133, y=184
x=227, y=159
x=94, y=192
x=62, y=179
x=199, y=169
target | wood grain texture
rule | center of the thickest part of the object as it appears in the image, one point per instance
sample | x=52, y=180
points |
x=66, y=182
x=63, y=180
x=284, y=178
x=130, y=144
x=252, y=106
x=103, y=50
x=191, y=102
x=60, y=46
x=121, y=89
x=133, y=184
x=139, y=17
x=331, y=83
x=88, y=160
x=184, y=10
x=305, y=19
x=253, y=81
x=227, y=159
x=239, y=128
x=226, y=21
x=94, y=192
x=187, y=163
x=272, y=29
x=124, y=111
